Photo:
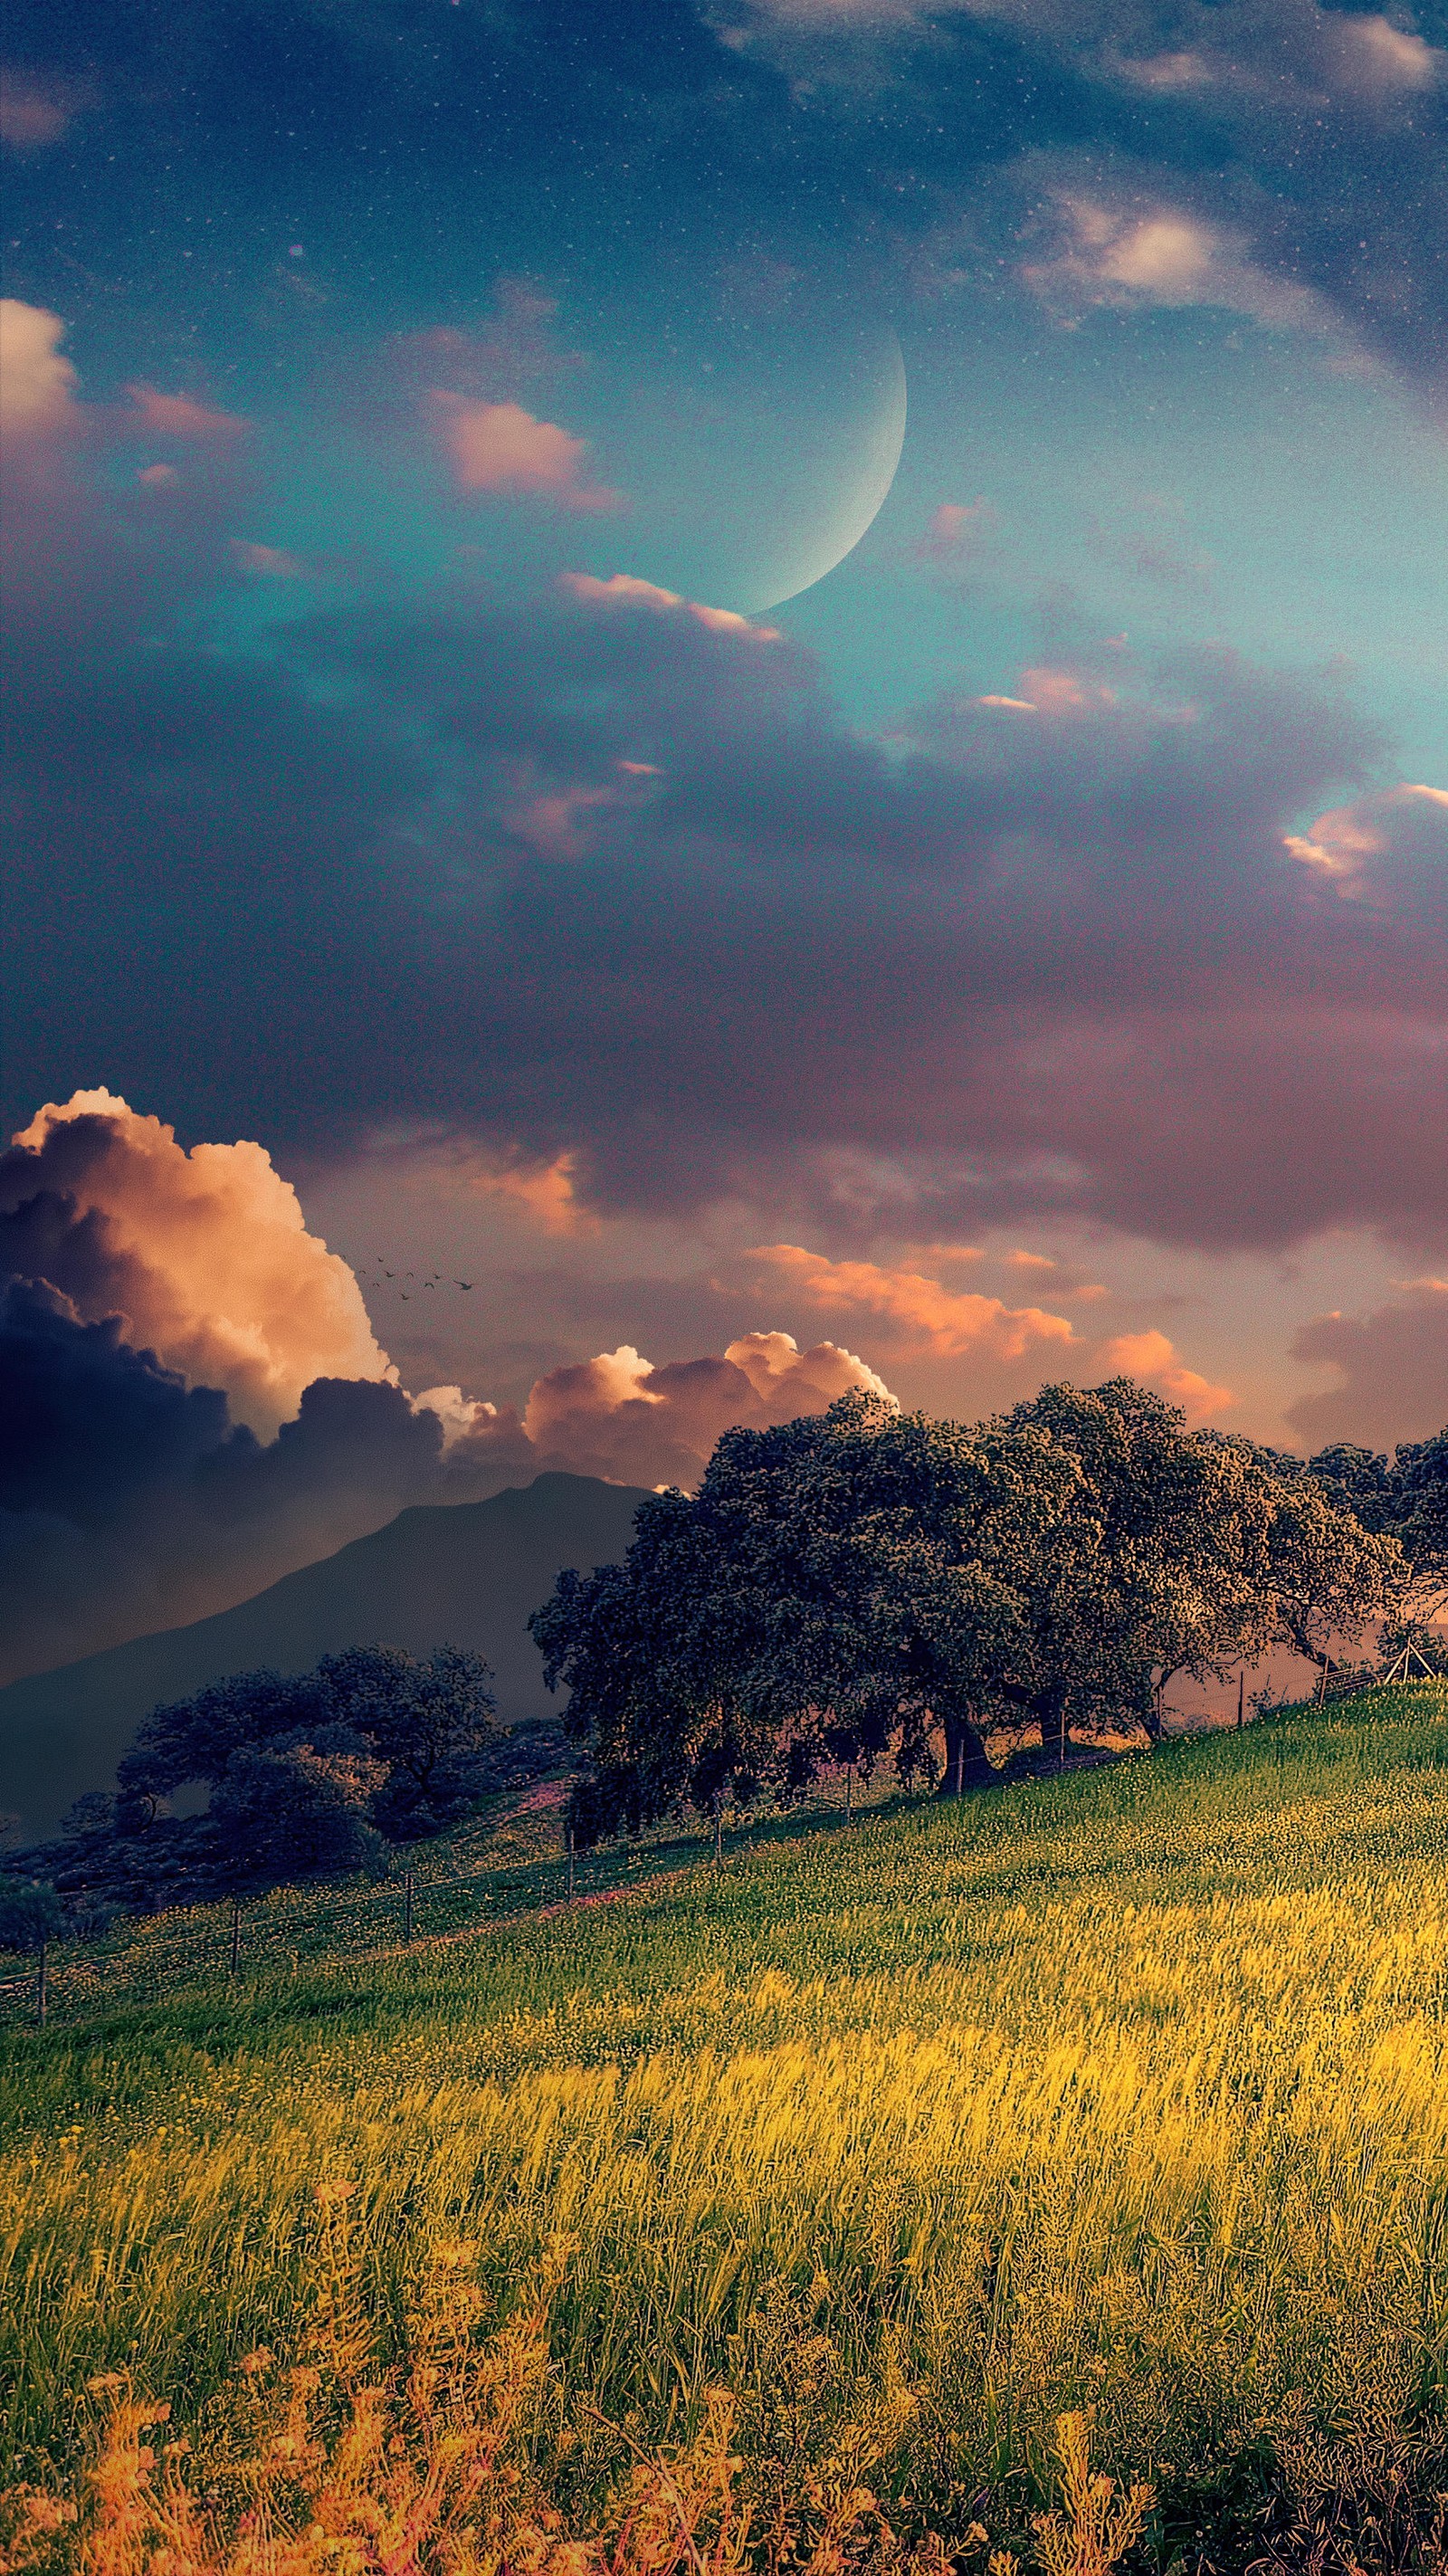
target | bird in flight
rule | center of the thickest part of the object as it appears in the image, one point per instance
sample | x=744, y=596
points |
x=462, y=1283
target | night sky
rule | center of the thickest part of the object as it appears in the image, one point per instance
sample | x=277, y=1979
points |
x=739, y=670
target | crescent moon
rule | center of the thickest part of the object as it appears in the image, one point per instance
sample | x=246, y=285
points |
x=865, y=473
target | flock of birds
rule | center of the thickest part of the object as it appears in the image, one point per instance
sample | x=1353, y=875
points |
x=434, y=1282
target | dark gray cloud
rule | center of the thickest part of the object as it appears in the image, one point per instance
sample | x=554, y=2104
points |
x=1392, y=1369
x=590, y=873
x=130, y=1500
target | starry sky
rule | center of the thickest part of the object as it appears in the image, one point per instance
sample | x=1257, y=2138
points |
x=736, y=668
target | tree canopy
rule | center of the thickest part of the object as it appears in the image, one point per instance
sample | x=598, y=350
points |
x=868, y=1579
x=310, y=1772
x=31, y=1914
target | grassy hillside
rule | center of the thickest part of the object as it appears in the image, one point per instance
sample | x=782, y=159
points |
x=1128, y=2089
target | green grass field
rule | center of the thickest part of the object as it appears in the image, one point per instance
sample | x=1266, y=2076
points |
x=1126, y=2090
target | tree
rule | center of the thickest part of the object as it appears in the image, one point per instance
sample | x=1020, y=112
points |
x=293, y=1811
x=31, y=1917
x=423, y=1721
x=1420, y=1475
x=305, y=1771
x=841, y=1584
x=866, y=1579
x=1322, y=1569
x=1150, y=1572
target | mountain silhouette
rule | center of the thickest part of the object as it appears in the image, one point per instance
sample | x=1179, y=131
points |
x=460, y=1574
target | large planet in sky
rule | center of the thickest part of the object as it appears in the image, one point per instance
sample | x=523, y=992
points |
x=753, y=455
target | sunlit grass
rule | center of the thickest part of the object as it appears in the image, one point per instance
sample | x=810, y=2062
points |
x=1129, y=2089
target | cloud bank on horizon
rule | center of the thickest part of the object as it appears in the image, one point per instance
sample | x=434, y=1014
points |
x=194, y=1401
x=1062, y=882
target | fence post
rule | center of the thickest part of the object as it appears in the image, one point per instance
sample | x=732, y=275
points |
x=41, y=1986
x=235, y=1931
x=718, y=1827
x=570, y=1864
x=407, y=1907
x=1241, y=1692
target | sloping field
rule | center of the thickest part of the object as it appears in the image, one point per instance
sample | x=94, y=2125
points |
x=1128, y=2090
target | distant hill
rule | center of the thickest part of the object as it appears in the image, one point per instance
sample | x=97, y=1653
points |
x=461, y=1574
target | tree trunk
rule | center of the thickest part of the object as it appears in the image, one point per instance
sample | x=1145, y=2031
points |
x=1052, y=1709
x=966, y=1766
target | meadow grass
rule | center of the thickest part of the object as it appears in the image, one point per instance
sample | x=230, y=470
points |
x=1127, y=2090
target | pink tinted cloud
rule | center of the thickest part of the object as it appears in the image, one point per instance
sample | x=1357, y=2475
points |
x=502, y=449
x=956, y=532
x=1133, y=251
x=36, y=108
x=268, y=563
x=625, y=590
x=167, y=416
x=1390, y=848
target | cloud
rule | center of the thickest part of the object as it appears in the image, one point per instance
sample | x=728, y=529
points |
x=130, y=1500
x=269, y=563
x=956, y=533
x=1152, y=1358
x=619, y=1416
x=204, y=1255
x=912, y=1313
x=500, y=448
x=37, y=385
x=1391, y=847
x=1392, y=1371
x=179, y=416
x=623, y=590
x=37, y=108
x=1164, y=255
x=596, y=878
x=161, y=1308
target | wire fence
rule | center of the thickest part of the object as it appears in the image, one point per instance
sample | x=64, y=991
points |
x=144, y=1959
x=147, y=1959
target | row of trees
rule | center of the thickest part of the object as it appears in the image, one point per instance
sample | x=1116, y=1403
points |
x=867, y=1581
x=314, y=1774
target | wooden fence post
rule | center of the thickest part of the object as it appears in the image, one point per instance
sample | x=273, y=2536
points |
x=1241, y=1692
x=235, y=1931
x=407, y=1907
x=570, y=1864
x=41, y=1985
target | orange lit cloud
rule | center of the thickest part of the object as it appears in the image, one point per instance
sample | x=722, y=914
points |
x=619, y=1416
x=37, y=385
x=914, y=1312
x=1152, y=1358
x=206, y=1254
x=548, y=1191
x=501, y=448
